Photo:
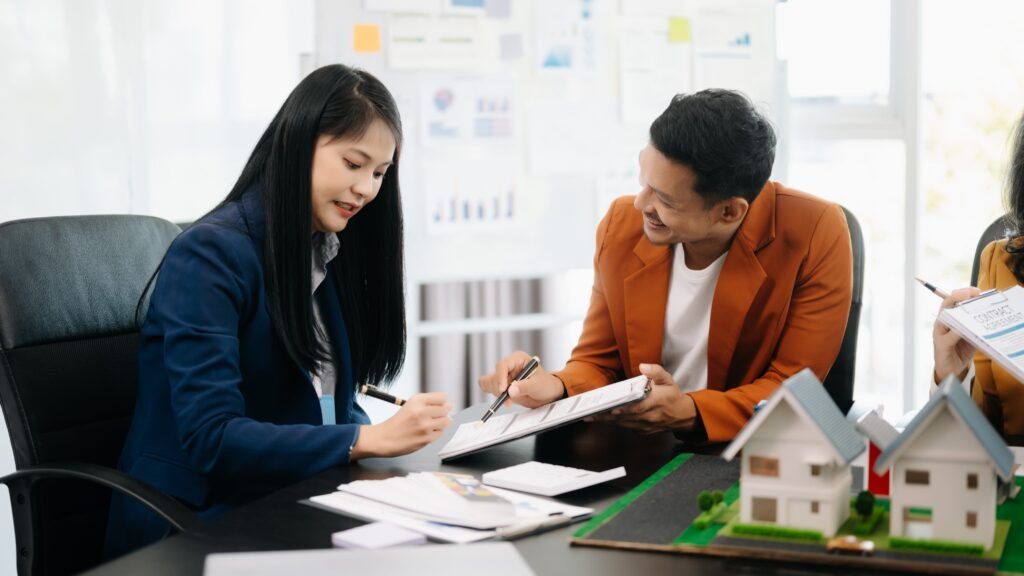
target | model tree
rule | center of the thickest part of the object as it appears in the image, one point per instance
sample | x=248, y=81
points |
x=705, y=500
x=864, y=504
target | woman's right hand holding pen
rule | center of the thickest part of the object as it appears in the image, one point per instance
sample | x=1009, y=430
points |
x=953, y=354
x=420, y=421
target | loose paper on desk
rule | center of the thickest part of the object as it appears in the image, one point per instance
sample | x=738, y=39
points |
x=994, y=323
x=455, y=499
x=527, y=509
x=476, y=436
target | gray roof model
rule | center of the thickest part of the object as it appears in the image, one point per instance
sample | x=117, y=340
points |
x=806, y=390
x=952, y=394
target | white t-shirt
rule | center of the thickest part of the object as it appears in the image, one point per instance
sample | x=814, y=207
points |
x=684, y=348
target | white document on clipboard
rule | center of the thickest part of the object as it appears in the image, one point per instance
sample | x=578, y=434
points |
x=475, y=436
x=993, y=322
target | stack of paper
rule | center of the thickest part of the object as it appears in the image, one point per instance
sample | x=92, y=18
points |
x=445, y=507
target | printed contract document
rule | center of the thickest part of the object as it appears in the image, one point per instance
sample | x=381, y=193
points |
x=475, y=436
x=994, y=323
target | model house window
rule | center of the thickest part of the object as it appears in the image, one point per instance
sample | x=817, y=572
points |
x=972, y=481
x=763, y=509
x=814, y=507
x=972, y=519
x=761, y=466
x=917, y=477
x=815, y=469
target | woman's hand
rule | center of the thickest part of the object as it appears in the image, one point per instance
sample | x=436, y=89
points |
x=953, y=354
x=537, y=390
x=419, y=422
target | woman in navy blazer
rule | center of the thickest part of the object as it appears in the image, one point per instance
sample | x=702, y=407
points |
x=268, y=311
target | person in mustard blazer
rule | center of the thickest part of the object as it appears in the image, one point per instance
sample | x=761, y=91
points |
x=269, y=311
x=999, y=395
x=712, y=281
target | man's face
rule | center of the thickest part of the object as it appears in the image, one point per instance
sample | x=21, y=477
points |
x=673, y=211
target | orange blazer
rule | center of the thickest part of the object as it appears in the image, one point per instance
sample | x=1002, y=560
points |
x=999, y=395
x=781, y=304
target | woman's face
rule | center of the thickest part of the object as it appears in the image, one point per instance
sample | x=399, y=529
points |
x=347, y=174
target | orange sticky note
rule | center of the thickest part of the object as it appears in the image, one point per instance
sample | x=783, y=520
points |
x=366, y=38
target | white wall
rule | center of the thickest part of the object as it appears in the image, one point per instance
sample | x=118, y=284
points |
x=119, y=106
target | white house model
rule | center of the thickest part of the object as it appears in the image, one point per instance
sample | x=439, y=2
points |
x=796, y=457
x=946, y=469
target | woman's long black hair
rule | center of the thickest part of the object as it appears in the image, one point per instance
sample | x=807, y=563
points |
x=368, y=272
x=1015, y=202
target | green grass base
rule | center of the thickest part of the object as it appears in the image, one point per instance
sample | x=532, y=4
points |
x=694, y=536
x=1012, y=511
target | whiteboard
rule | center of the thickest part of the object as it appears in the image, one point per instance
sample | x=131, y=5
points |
x=575, y=133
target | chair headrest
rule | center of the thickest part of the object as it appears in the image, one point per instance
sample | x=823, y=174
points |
x=68, y=277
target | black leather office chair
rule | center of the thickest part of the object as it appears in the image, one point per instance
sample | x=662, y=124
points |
x=997, y=230
x=839, y=381
x=69, y=289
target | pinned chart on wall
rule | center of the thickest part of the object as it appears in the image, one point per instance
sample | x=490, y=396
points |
x=463, y=6
x=435, y=42
x=565, y=34
x=469, y=190
x=655, y=63
x=458, y=110
x=733, y=48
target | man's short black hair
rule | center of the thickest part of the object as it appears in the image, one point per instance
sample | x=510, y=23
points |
x=722, y=138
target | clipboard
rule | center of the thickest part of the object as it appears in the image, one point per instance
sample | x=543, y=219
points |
x=476, y=436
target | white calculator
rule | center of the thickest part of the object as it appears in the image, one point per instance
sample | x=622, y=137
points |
x=548, y=479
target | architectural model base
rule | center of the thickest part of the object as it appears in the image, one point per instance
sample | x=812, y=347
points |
x=658, y=515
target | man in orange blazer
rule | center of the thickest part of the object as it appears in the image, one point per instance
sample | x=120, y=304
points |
x=712, y=281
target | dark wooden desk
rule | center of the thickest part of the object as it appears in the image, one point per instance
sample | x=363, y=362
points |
x=279, y=522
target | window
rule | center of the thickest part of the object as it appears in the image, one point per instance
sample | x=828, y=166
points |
x=814, y=507
x=972, y=481
x=833, y=169
x=761, y=466
x=919, y=477
x=815, y=469
x=763, y=509
x=972, y=519
x=845, y=63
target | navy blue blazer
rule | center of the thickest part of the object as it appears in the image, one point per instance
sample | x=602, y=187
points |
x=223, y=415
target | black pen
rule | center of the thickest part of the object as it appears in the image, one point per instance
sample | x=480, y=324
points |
x=935, y=289
x=523, y=375
x=374, y=392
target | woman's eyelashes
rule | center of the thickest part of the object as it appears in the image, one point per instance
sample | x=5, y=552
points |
x=352, y=165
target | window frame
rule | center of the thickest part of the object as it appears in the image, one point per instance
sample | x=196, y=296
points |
x=811, y=120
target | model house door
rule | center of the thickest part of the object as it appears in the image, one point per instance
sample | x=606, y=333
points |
x=917, y=523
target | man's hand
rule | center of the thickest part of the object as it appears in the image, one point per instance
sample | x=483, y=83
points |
x=666, y=407
x=537, y=390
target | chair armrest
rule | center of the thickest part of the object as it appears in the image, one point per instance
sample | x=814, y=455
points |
x=180, y=517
